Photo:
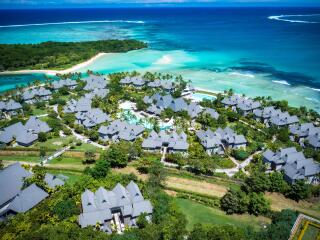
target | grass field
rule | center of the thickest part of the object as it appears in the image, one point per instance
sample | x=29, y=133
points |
x=311, y=233
x=198, y=213
x=31, y=159
x=73, y=176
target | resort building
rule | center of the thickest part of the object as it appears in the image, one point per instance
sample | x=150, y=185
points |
x=216, y=142
x=120, y=130
x=294, y=165
x=304, y=131
x=24, y=135
x=10, y=108
x=265, y=114
x=282, y=119
x=314, y=141
x=242, y=104
x=36, y=94
x=194, y=109
x=137, y=81
x=211, y=112
x=114, y=210
x=171, y=142
x=53, y=181
x=81, y=105
x=94, y=82
x=97, y=92
x=14, y=199
x=69, y=83
x=92, y=117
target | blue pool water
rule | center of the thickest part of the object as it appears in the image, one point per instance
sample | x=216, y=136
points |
x=255, y=51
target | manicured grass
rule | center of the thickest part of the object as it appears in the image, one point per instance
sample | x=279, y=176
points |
x=198, y=213
x=55, y=143
x=66, y=160
x=86, y=147
x=72, y=176
x=31, y=159
x=224, y=163
x=37, y=111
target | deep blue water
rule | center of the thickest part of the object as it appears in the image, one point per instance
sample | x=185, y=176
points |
x=239, y=39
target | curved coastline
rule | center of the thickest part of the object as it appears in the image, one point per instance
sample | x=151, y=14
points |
x=54, y=72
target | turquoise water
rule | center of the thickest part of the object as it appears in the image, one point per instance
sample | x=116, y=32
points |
x=129, y=116
x=245, y=49
x=202, y=96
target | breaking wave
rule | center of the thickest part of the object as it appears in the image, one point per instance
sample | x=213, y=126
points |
x=284, y=18
x=282, y=82
x=79, y=22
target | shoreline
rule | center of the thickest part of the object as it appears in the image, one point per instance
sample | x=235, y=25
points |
x=54, y=72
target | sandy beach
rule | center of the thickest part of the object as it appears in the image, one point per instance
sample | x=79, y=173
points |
x=54, y=72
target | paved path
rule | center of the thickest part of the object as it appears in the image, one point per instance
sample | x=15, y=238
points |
x=55, y=155
x=163, y=157
x=79, y=136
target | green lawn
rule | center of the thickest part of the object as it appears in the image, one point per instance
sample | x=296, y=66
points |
x=198, y=213
x=55, y=143
x=66, y=160
x=73, y=177
x=31, y=159
x=37, y=111
x=85, y=147
x=224, y=163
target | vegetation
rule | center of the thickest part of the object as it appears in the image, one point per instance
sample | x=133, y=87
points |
x=58, y=55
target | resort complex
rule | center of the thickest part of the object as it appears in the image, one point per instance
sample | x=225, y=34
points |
x=117, y=135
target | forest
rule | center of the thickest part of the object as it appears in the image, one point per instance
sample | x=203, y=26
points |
x=59, y=55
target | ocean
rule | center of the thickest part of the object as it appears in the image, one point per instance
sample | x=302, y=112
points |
x=256, y=51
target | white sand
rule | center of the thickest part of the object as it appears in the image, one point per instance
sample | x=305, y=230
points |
x=54, y=72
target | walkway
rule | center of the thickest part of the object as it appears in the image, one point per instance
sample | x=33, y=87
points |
x=55, y=155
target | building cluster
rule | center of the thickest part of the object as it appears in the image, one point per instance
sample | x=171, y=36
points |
x=120, y=130
x=14, y=198
x=68, y=83
x=242, y=104
x=158, y=103
x=114, y=210
x=294, y=165
x=9, y=108
x=24, y=135
x=306, y=134
x=36, y=94
x=216, y=142
x=84, y=113
x=174, y=142
x=94, y=82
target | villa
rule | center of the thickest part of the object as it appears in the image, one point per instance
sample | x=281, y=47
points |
x=14, y=199
x=97, y=92
x=36, y=94
x=242, y=104
x=81, y=105
x=10, y=108
x=265, y=114
x=211, y=112
x=120, y=130
x=174, y=142
x=194, y=109
x=69, y=83
x=24, y=135
x=53, y=181
x=137, y=82
x=215, y=142
x=304, y=131
x=293, y=163
x=210, y=141
x=314, y=141
x=282, y=119
x=119, y=207
x=92, y=117
x=94, y=82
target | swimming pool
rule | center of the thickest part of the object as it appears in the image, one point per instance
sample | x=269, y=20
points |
x=132, y=118
x=200, y=96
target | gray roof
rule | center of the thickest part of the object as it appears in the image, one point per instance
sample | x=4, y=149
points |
x=27, y=199
x=121, y=130
x=174, y=140
x=266, y=112
x=97, y=206
x=11, y=181
x=179, y=104
x=11, y=105
x=52, y=181
x=304, y=130
x=283, y=119
x=94, y=82
x=213, y=113
x=81, y=105
x=92, y=117
x=136, y=81
x=294, y=163
x=37, y=125
x=61, y=83
x=194, y=109
x=314, y=140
